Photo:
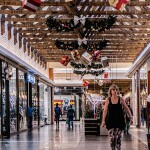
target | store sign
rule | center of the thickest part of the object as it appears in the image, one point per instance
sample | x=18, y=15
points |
x=29, y=78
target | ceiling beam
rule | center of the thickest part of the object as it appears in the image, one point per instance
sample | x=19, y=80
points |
x=89, y=3
x=49, y=12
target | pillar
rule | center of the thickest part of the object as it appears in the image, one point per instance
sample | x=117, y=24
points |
x=133, y=100
x=51, y=74
x=51, y=77
x=138, y=99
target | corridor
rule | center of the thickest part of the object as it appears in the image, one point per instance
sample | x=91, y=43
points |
x=48, y=138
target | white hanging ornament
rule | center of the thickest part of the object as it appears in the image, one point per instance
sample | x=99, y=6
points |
x=100, y=83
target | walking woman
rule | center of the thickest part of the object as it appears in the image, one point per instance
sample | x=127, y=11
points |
x=114, y=121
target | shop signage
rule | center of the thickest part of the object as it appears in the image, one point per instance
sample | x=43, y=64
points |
x=29, y=78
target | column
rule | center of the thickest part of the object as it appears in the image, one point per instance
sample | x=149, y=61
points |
x=138, y=99
x=133, y=99
x=51, y=76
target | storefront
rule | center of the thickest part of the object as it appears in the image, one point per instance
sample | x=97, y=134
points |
x=66, y=96
x=18, y=90
x=44, y=103
x=139, y=96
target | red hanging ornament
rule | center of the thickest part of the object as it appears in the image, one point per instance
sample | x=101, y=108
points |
x=85, y=83
x=31, y=5
x=65, y=60
x=106, y=75
x=118, y=4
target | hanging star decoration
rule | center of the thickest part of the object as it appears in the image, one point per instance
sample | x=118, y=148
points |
x=89, y=45
x=73, y=24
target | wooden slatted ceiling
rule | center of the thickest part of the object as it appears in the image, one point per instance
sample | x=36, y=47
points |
x=126, y=38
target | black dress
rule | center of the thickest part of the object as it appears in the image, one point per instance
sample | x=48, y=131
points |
x=115, y=117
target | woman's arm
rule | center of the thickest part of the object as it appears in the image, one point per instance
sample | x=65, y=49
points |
x=105, y=112
x=127, y=109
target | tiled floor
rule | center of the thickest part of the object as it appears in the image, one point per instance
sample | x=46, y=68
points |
x=48, y=138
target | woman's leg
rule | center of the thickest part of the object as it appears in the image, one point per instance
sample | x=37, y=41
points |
x=112, y=138
x=118, y=139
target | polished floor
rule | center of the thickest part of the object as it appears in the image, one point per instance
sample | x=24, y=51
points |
x=48, y=138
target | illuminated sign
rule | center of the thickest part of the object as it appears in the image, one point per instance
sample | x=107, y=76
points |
x=29, y=78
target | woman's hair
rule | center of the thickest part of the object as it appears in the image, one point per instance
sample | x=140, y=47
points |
x=113, y=86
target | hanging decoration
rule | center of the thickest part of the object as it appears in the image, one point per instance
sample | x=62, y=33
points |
x=86, y=58
x=106, y=75
x=85, y=83
x=92, y=72
x=81, y=66
x=89, y=45
x=100, y=25
x=96, y=55
x=67, y=46
x=100, y=82
x=75, y=55
x=105, y=61
x=31, y=5
x=118, y=4
x=65, y=60
x=60, y=26
x=96, y=25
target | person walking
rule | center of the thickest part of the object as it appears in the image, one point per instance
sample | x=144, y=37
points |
x=142, y=116
x=70, y=115
x=113, y=116
x=30, y=117
x=127, y=120
x=57, y=115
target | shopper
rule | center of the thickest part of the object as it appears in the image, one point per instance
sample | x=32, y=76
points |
x=57, y=115
x=70, y=115
x=127, y=120
x=114, y=121
x=142, y=116
x=30, y=117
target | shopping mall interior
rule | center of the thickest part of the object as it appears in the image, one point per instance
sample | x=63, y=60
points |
x=69, y=52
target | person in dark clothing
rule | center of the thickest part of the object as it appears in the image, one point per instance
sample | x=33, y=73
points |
x=57, y=115
x=127, y=120
x=142, y=116
x=114, y=121
x=70, y=115
x=30, y=117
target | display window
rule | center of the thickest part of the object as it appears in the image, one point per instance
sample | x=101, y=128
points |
x=12, y=98
x=22, y=117
x=49, y=92
x=35, y=104
x=64, y=102
x=66, y=96
x=143, y=96
x=4, y=105
x=41, y=103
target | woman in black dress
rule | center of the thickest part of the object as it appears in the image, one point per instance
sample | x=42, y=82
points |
x=113, y=116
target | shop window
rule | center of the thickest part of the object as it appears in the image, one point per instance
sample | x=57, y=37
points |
x=35, y=104
x=12, y=98
x=4, y=110
x=41, y=103
x=22, y=119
